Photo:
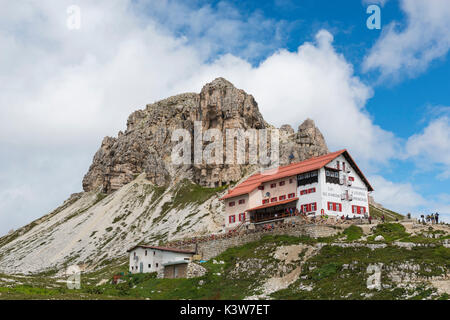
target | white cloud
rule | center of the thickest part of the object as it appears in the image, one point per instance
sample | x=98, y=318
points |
x=403, y=197
x=65, y=89
x=312, y=82
x=432, y=146
x=410, y=49
x=396, y=196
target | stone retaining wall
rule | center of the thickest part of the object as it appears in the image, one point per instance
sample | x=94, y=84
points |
x=214, y=247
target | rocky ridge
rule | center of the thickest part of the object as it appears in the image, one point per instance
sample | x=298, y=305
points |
x=146, y=145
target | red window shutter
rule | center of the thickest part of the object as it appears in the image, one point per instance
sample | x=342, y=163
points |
x=340, y=207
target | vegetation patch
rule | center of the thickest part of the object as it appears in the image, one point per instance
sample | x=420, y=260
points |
x=353, y=233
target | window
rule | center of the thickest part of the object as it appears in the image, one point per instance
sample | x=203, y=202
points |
x=261, y=188
x=307, y=178
x=242, y=216
x=273, y=185
x=337, y=165
x=265, y=201
x=291, y=195
x=242, y=201
x=231, y=204
x=149, y=266
x=312, y=190
x=358, y=209
x=343, y=166
x=351, y=178
x=282, y=198
x=333, y=206
x=303, y=192
x=154, y=252
x=232, y=219
x=282, y=183
x=274, y=199
x=145, y=252
x=291, y=180
x=157, y=264
x=310, y=207
x=332, y=176
x=135, y=254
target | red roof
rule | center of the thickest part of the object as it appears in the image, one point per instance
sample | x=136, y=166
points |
x=162, y=249
x=272, y=204
x=291, y=170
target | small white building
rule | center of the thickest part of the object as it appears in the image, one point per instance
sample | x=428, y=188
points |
x=170, y=262
x=331, y=184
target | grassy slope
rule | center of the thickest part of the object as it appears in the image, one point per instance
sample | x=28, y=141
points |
x=388, y=214
x=327, y=272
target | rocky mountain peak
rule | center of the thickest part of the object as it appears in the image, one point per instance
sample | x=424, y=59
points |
x=146, y=145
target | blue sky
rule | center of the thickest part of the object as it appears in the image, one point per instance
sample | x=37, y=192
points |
x=383, y=94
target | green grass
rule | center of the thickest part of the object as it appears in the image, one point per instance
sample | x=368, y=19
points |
x=390, y=232
x=331, y=276
x=334, y=273
x=389, y=215
x=353, y=233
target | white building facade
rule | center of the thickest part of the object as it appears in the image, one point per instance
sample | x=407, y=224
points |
x=331, y=184
x=147, y=259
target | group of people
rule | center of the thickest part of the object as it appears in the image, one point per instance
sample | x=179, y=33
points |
x=430, y=218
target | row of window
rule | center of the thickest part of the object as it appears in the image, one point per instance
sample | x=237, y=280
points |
x=232, y=203
x=306, y=191
x=338, y=166
x=333, y=206
x=146, y=253
x=332, y=174
x=149, y=266
x=280, y=198
x=273, y=185
x=308, y=175
x=232, y=218
x=310, y=207
x=358, y=209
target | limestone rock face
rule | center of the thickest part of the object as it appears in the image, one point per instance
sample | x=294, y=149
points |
x=146, y=145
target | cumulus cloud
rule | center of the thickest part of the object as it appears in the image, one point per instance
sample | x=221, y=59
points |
x=403, y=197
x=312, y=82
x=396, y=196
x=432, y=146
x=408, y=50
